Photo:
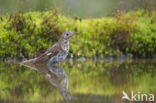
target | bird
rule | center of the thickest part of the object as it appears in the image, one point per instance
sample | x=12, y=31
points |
x=57, y=53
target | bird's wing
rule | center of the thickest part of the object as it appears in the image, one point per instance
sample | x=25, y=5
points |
x=45, y=57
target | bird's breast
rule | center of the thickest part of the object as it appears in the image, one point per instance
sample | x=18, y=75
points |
x=59, y=58
x=62, y=56
x=65, y=46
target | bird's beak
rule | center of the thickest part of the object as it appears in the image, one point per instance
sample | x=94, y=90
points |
x=72, y=33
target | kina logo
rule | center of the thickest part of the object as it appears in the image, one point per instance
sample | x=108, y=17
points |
x=137, y=96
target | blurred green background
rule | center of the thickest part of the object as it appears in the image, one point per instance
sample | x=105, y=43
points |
x=82, y=8
x=119, y=28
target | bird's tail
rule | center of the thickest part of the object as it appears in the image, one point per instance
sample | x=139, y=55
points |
x=28, y=61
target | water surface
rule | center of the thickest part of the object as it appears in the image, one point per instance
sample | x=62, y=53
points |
x=76, y=82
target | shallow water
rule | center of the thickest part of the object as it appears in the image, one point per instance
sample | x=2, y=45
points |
x=77, y=82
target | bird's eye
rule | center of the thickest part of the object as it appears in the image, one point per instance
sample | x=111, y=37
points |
x=67, y=34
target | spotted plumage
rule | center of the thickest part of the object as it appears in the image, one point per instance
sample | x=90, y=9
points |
x=57, y=53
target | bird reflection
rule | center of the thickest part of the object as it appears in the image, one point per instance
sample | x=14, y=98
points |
x=55, y=75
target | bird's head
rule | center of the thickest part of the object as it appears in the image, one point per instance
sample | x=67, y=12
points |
x=67, y=35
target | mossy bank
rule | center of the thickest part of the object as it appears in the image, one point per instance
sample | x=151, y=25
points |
x=131, y=34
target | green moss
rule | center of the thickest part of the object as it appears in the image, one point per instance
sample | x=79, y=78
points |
x=130, y=34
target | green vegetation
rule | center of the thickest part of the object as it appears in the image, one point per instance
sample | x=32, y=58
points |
x=132, y=34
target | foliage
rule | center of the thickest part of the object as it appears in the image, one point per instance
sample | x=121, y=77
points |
x=132, y=34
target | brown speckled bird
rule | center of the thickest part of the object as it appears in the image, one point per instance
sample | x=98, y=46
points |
x=57, y=53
